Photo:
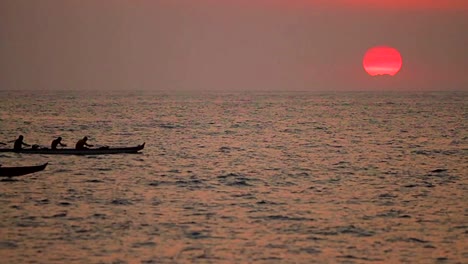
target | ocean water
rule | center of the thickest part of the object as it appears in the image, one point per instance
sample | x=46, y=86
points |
x=239, y=178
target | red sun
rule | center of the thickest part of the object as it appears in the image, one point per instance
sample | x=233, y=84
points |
x=382, y=60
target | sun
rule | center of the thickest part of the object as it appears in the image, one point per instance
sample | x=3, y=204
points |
x=382, y=60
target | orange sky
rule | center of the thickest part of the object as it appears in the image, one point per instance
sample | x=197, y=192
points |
x=410, y=4
x=230, y=45
x=383, y=4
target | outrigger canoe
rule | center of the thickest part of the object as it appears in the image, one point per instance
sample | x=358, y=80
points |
x=18, y=171
x=68, y=151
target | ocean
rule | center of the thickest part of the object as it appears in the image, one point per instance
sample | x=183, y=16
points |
x=246, y=177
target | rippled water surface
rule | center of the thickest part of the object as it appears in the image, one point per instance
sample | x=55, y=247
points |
x=239, y=178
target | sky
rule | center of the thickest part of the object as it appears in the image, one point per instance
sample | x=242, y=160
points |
x=230, y=45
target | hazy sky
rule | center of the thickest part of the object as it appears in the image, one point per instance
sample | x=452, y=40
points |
x=230, y=44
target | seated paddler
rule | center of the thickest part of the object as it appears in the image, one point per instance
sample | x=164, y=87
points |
x=82, y=144
x=56, y=142
x=19, y=143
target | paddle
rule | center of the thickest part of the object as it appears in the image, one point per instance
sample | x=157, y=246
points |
x=98, y=146
x=61, y=145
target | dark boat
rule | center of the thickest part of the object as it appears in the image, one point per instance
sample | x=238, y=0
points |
x=18, y=171
x=65, y=151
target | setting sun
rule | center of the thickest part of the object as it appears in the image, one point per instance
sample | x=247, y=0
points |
x=382, y=60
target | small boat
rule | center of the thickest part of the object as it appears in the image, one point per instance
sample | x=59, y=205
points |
x=18, y=171
x=69, y=151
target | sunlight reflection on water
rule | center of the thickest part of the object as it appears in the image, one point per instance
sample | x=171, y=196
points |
x=236, y=178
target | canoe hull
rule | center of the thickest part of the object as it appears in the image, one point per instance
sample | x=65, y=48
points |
x=19, y=171
x=102, y=151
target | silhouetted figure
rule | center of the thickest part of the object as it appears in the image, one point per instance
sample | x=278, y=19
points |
x=19, y=143
x=82, y=143
x=56, y=142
